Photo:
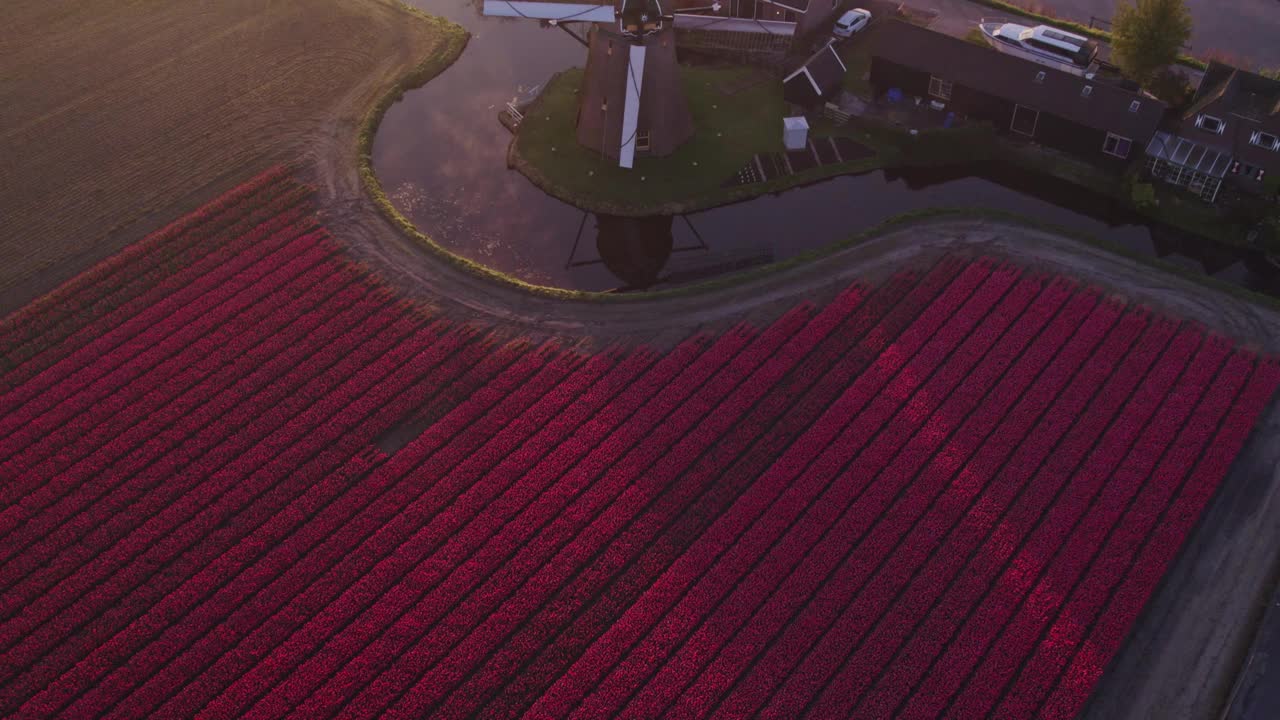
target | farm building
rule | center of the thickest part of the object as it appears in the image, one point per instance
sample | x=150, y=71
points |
x=817, y=80
x=1097, y=121
x=751, y=27
x=1230, y=131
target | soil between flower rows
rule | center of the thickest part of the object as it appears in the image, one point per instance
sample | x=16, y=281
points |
x=949, y=494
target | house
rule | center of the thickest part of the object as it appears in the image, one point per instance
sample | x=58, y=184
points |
x=1230, y=132
x=818, y=79
x=1101, y=122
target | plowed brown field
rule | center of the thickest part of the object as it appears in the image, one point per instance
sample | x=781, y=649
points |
x=117, y=116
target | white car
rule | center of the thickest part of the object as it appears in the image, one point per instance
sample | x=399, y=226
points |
x=851, y=22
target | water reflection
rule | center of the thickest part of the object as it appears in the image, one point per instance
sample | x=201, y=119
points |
x=441, y=155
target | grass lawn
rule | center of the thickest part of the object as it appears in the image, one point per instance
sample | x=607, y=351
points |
x=733, y=119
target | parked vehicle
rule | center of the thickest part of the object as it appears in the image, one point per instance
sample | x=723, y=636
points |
x=851, y=22
x=1042, y=44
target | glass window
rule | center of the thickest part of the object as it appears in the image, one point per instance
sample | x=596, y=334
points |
x=1265, y=140
x=1116, y=145
x=939, y=88
x=1209, y=123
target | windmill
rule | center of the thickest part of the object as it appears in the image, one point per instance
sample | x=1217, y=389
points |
x=631, y=101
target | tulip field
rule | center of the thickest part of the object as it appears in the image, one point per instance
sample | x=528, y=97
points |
x=950, y=494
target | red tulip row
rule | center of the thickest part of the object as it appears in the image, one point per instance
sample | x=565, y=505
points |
x=695, y=630
x=1095, y=344
x=327, y=285
x=1063, y=386
x=303, y=617
x=476, y=551
x=806, y=359
x=185, y=542
x=119, y=277
x=1089, y=505
x=116, y=344
x=163, y=477
x=621, y=520
x=787, y=476
x=1067, y=430
x=241, y=611
x=1160, y=547
x=1007, y=532
x=769, y=607
x=1105, y=542
x=159, y=360
x=93, y=316
x=103, y=474
x=565, y=624
x=188, y=600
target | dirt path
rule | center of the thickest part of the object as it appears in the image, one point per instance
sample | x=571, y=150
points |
x=126, y=114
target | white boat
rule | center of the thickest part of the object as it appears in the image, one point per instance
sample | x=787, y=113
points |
x=1042, y=44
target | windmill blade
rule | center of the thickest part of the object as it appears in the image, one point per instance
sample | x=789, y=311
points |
x=732, y=24
x=560, y=12
x=631, y=106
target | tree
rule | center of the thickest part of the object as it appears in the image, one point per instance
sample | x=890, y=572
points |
x=1148, y=36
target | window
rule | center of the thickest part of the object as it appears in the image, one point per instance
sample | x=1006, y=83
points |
x=1050, y=48
x=1040, y=78
x=1133, y=106
x=1024, y=120
x=642, y=141
x=1209, y=123
x=1265, y=140
x=939, y=88
x=1086, y=91
x=1116, y=145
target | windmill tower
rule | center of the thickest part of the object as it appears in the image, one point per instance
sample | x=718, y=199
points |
x=631, y=102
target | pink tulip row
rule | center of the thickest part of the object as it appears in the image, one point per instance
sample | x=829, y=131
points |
x=705, y=477
x=610, y=407
x=225, y=565
x=587, y=483
x=1005, y=532
x=1160, y=547
x=146, y=416
x=1107, y=541
x=237, y=616
x=755, y=565
x=67, y=303
x=787, y=409
x=746, y=639
x=158, y=361
x=180, y=537
x=789, y=474
x=196, y=254
x=576, y=558
x=843, y=675
x=241, y=425
x=1086, y=509
x=1064, y=383
x=111, y=347
x=332, y=286
x=98, y=475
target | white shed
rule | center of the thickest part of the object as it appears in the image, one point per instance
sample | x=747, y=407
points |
x=795, y=132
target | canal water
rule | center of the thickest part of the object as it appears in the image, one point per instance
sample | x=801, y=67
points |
x=441, y=156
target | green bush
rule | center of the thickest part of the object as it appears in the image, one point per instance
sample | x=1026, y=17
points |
x=1144, y=196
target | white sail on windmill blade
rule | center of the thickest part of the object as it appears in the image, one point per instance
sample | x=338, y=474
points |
x=627, y=100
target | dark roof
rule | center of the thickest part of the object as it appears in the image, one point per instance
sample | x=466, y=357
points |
x=818, y=78
x=1106, y=106
x=799, y=6
x=1247, y=103
x=1244, y=93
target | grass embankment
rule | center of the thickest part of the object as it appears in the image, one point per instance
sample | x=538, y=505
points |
x=737, y=112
